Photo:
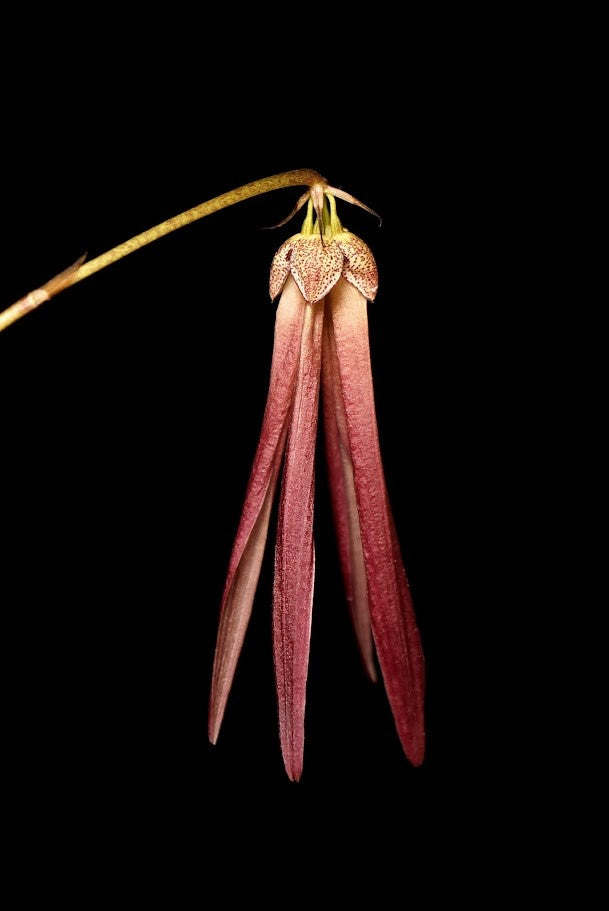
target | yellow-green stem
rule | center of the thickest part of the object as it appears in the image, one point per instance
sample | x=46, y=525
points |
x=76, y=273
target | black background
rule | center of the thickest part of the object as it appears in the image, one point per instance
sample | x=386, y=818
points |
x=131, y=410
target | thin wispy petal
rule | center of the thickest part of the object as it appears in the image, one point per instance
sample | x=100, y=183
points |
x=344, y=504
x=393, y=624
x=341, y=194
x=294, y=553
x=248, y=549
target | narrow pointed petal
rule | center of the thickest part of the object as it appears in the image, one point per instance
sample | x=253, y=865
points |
x=344, y=504
x=341, y=194
x=294, y=553
x=393, y=623
x=248, y=549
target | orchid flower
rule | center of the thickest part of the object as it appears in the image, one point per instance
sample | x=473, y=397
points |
x=325, y=276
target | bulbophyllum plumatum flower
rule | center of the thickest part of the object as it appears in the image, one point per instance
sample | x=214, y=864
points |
x=325, y=276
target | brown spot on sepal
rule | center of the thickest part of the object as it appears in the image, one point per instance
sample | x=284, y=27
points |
x=316, y=268
x=280, y=267
x=360, y=266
